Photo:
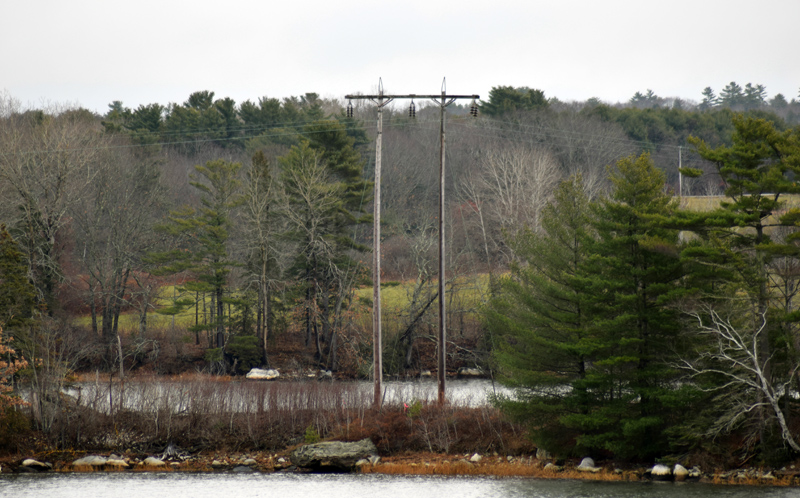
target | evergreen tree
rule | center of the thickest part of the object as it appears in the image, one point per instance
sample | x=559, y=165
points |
x=709, y=99
x=751, y=241
x=204, y=237
x=732, y=95
x=588, y=333
x=540, y=323
x=323, y=202
x=755, y=96
x=632, y=275
x=503, y=99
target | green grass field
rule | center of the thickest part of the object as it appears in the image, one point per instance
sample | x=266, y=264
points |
x=468, y=294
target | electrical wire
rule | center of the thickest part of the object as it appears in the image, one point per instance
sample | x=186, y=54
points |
x=292, y=128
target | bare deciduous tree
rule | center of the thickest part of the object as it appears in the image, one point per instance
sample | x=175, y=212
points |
x=113, y=219
x=47, y=158
x=508, y=193
x=733, y=353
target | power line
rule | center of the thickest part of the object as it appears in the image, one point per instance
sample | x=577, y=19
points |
x=294, y=128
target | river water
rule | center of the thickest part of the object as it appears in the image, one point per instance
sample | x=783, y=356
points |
x=230, y=485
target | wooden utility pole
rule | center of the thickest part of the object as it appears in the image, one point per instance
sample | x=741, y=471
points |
x=381, y=100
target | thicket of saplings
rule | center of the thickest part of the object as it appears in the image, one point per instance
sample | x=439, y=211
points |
x=206, y=413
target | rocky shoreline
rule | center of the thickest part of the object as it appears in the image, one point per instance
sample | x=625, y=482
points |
x=411, y=464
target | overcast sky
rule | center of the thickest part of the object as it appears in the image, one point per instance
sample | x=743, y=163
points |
x=92, y=52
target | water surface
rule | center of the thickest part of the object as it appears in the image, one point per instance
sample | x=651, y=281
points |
x=230, y=485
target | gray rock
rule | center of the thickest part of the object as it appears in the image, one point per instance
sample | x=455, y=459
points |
x=243, y=469
x=334, y=455
x=249, y=462
x=173, y=452
x=362, y=462
x=475, y=458
x=261, y=374
x=551, y=467
x=587, y=465
x=90, y=461
x=117, y=463
x=216, y=464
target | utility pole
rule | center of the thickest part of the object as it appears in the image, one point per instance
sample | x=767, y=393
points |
x=680, y=175
x=381, y=100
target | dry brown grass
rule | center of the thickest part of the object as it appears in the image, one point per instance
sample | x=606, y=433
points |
x=446, y=467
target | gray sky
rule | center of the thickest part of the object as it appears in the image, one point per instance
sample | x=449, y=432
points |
x=91, y=52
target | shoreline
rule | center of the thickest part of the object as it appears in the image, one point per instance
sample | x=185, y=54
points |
x=414, y=464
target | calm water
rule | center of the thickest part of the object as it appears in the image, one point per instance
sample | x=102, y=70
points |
x=251, y=396
x=229, y=485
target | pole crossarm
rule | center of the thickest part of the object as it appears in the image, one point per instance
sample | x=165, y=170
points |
x=381, y=102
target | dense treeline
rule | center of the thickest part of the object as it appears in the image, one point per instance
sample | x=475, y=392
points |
x=251, y=219
x=635, y=328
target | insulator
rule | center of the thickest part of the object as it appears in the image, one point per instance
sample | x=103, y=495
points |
x=473, y=109
x=412, y=110
x=349, y=110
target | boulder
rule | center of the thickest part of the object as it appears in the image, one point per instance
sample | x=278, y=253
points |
x=261, y=374
x=249, y=462
x=475, y=458
x=660, y=472
x=154, y=462
x=587, y=465
x=680, y=472
x=333, y=456
x=117, y=463
x=469, y=372
x=90, y=461
x=551, y=467
x=37, y=465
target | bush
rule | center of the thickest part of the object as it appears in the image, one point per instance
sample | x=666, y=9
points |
x=13, y=426
x=311, y=435
x=246, y=350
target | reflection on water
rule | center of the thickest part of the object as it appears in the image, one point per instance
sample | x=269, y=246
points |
x=229, y=485
x=209, y=396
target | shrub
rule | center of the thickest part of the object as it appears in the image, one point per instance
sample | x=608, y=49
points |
x=247, y=352
x=311, y=435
